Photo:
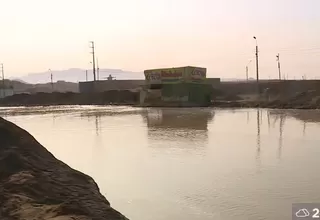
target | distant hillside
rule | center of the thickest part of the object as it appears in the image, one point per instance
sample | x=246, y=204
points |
x=77, y=75
x=60, y=86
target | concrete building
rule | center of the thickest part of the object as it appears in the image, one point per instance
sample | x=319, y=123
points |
x=214, y=82
x=181, y=86
x=6, y=92
x=107, y=85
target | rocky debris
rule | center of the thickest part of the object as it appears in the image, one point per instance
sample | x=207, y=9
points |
x=35, y=185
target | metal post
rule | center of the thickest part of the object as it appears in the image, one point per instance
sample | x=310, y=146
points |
x=87, y=75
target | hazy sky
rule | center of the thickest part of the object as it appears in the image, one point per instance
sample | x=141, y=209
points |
x=140, y=34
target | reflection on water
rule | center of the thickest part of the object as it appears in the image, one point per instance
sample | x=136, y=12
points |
x=182, y=124
x=305, y=116
x=258, y=159
x=189, y=164
x=281, y=125
x=98, y=122
x=179, y=118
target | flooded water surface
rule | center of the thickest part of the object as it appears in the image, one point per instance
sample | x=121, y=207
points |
x=188, y=164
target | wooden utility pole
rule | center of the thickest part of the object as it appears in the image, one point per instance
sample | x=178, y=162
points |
x=247, y=70
x=3, y=83
x=247, y=73
x=257, y=64
x=52, y=82
x=278, y=60
x=98, y=75
x=93, y=61
x=51, y=79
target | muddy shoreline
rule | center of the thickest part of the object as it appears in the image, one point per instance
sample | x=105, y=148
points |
x=270, y=105
x=220, y=104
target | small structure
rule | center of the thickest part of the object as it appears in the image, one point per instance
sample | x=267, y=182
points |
x=6, y=91
x=182, y=86
x=107, y=85
x=110, y=77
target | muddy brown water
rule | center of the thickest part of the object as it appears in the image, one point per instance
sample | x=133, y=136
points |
x=187, y=164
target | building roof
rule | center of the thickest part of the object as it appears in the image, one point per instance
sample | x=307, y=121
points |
x=172, y=68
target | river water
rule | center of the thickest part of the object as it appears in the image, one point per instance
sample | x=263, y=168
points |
x=188, y=164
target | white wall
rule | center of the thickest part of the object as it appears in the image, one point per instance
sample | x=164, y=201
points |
x=6, y=92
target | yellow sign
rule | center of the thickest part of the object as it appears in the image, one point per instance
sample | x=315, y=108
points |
x=153, y=77
x=197, y=73
x=175, y=75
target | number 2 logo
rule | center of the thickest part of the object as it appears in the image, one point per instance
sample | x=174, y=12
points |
x=316, y=213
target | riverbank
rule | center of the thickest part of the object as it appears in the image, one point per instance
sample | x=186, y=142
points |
x=35, y=185
x=303, y=100
x=262, y=104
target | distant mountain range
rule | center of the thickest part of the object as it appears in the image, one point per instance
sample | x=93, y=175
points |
x=77, y=75
x=21, y=87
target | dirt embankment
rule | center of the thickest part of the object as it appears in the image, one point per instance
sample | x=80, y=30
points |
x=35, y=185
x=271, y=97
x=103, y=98
x=301, y=100
x=283, y=94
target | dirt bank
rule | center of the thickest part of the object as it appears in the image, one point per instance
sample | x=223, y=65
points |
x=35, y=185
x=302, y=100
x=103, y=98
x=270, y=98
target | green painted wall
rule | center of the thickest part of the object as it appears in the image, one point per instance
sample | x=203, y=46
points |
x=186, y=92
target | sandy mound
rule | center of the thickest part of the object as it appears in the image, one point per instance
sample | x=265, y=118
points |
x=35, y=185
